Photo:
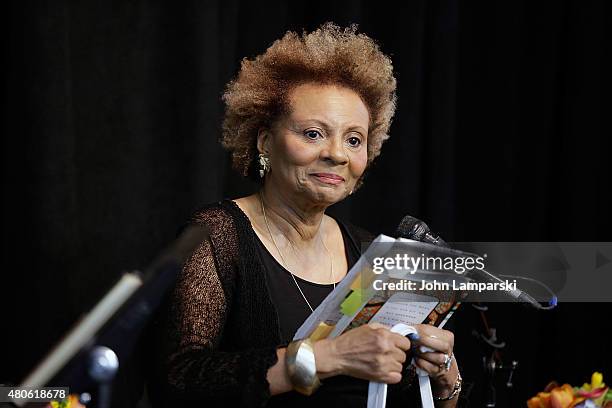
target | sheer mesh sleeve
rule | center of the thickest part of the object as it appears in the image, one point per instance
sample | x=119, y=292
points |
x=195, y=368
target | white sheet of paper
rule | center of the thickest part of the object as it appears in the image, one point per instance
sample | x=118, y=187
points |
x=407, y=308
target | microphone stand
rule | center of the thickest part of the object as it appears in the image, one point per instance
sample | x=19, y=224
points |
x=492, y=362
x=88, y=357
x=103, y=368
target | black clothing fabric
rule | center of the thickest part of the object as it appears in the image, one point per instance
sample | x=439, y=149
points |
x=290, y=305
x=293, y=311
x=218, y=334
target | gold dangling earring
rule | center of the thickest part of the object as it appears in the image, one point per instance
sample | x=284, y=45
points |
x=264, y=165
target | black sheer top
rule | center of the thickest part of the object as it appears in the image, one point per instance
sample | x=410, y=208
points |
x=217, y=334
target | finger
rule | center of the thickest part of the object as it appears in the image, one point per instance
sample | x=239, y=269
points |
x=399, y=355
x=392, y=378
x=436, y=343
x=433, y=370
x=389, y=366
x=378, y=326
x=435, y=358
x=436, y=338
x=429, y=330
x=396, y=367
x=401, y=342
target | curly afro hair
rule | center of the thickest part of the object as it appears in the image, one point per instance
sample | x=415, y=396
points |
x=328, y=55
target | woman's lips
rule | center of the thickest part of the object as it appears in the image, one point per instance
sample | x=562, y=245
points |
x=328, y=178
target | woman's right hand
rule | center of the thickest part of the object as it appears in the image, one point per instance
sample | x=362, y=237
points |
x=370, y=352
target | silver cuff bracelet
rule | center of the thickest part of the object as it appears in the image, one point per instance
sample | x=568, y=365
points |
x=301, y=366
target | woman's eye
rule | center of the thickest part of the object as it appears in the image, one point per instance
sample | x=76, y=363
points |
x=354, y=141
x=312, y=134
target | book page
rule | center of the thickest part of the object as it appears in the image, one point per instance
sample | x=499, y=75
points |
x=408, y=308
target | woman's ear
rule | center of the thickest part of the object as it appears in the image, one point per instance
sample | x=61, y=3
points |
x=263, y=137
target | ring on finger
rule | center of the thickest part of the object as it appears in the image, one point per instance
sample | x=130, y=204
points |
x=448, y=360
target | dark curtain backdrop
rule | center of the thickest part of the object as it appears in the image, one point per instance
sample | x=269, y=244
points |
x=111, y=124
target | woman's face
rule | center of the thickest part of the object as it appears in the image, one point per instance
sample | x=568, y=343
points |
x=319, y=150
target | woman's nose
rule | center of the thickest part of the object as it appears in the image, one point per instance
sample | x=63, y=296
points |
x=334, y=151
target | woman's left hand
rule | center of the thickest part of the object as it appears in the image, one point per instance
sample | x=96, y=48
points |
x=442, y=342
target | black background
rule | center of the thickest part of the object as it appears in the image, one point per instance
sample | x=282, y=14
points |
x=112, y=119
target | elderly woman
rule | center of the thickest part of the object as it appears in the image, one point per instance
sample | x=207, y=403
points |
x=306, y=118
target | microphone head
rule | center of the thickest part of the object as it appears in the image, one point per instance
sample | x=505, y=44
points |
x=417, y=230
x=412, y=228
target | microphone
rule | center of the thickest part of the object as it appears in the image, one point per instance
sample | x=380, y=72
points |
x=417, y=230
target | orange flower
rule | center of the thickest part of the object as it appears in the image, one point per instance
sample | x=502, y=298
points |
x=562, y=397
x=542, y=400
x=555, y=396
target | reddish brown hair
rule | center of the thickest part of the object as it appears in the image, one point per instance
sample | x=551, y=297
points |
x=328, y=55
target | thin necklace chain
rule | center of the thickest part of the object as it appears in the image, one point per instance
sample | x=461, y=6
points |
x=285, y=265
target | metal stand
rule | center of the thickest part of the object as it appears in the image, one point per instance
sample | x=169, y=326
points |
x=80, y=360
x=492, y=361
x=103, y=367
